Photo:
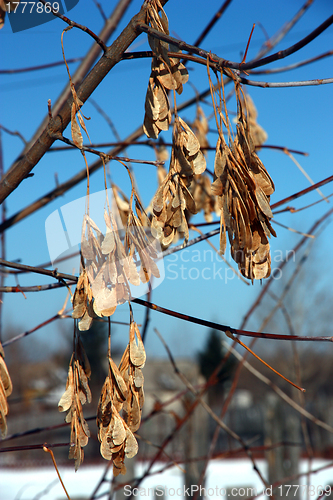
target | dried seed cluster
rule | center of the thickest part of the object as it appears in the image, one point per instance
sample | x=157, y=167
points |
x=167, y=73
x=243, y=187
x=77, y=394
x=173, y=196
x=5, y=391
x=122, y=392
x=110, y=265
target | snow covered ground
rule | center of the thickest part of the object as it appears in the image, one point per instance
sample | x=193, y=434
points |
x=222, y=476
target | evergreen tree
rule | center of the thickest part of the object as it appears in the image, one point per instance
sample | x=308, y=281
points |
x=212, y=355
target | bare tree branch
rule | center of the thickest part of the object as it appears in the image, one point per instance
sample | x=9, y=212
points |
x=23, y=166
x=223, y=63
x=40, y=67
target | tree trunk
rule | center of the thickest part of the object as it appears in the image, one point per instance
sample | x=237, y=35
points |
x=283, y=461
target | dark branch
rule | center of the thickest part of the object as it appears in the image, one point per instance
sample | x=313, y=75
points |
x=38, y=270
x=225, y=328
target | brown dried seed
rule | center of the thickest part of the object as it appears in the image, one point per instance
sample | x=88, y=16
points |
x=75, y=128
x=138, y=377
x=121, y=386
x=86, y=320
x=118, y=432
x=150, y=128
x=4, y=376
x=131, y=445
x=136, y=350
x=108, y=243
x=84, y=384
x=132, y=412
x=67, y=398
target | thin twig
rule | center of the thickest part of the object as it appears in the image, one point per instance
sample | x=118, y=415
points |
x=282, y=148
x=294, y=210
x=28, y=332
x=32, y=447
x=35, y=288
x=231, y=336
x=213, y=64
x=108, y=121
x=151, y=143
x=147, y=316
x=46, y=264
x=212, y=22
x=195, y=228
x=10, y=132
x=73, y=24
x=100, y=8
x=301, y=397
x=224, y=328
x=299, y=166
x=293, y=230
x=281, y=33
x=276, y=389
x=59, y=315
x=38, y=270
x=105, y=155
x=281, y=266
x=38, y=68
x=47, y=450
x=278, y=85
x=290, y=67
x=101, y=481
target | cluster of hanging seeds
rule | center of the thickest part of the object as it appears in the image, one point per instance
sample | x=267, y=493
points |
x=77, y=394
x=120, y=405
x=110, y=265
x=243, y=188
x=122, y=392
x=167, y=73
x=173, y=196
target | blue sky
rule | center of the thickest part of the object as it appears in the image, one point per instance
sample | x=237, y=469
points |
x=298, y=118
